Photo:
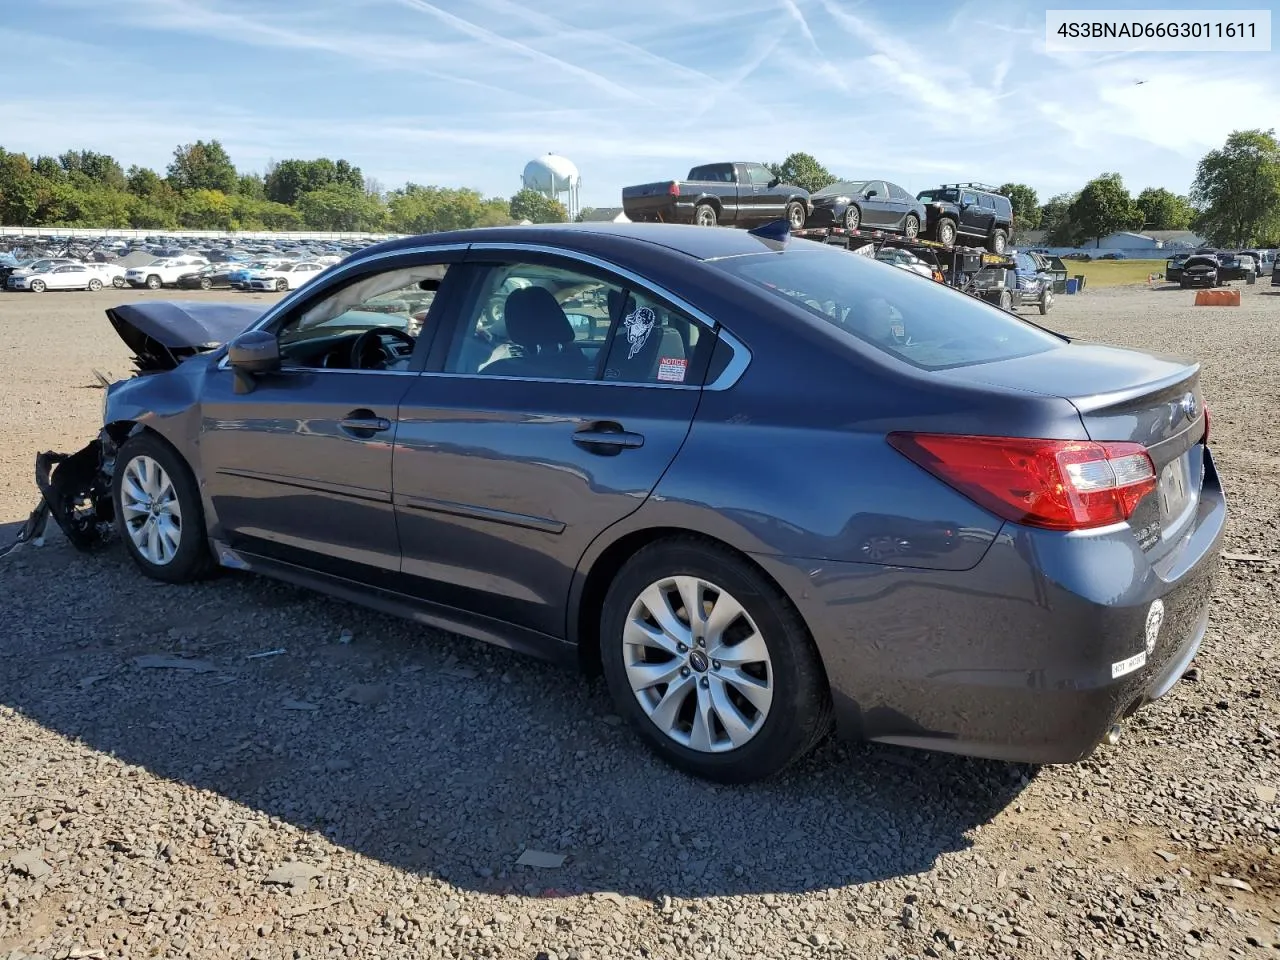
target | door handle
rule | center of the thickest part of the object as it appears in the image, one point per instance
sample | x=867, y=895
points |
x=364, y=423
x=607, y=438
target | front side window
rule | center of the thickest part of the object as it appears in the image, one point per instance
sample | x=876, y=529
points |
x=927, y=325
x=323, y=333
x=762, y=176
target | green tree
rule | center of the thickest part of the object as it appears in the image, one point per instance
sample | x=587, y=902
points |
x=1164, y=210
x=18, y=200
x=1103, y=207
x=142, y=181
x=250, y=185
x=202, y=166
x=1055, y=220
x=804, y=171
x=97, y=168
x=537, y=208
x=1026, y=205
x=419, y=209
x=341, y=208
x=288, y=180
x=207, y=210
x=1238, y=189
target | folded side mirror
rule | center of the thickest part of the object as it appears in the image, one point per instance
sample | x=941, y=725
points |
x=252, y=353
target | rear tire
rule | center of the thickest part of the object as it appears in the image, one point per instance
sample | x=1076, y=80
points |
x=998, y=242
x=179, y=551
x=153, y=282
x=119, y=283
x=689, y=705
x=704, y=215
x=946, y=232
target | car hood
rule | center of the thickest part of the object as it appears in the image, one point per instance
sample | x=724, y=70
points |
x=163, y=333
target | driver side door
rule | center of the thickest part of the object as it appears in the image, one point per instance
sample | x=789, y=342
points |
x=299, y=468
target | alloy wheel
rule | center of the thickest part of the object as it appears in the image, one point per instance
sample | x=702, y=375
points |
x=697, y=664
x=152, y=514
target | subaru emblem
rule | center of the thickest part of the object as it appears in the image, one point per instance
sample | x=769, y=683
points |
x=1190, y=407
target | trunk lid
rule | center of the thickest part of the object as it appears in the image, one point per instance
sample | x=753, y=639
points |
x=1129, y=396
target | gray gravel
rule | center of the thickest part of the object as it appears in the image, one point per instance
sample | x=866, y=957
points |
x=370, y=791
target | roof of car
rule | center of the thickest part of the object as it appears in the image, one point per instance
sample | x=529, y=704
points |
x=702, y=243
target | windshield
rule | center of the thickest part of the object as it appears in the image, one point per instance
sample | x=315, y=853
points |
x=842, y=188
x=924, y=323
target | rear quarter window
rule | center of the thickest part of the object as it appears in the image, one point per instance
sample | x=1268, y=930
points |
x=909, y=317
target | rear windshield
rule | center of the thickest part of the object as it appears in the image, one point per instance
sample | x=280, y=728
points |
x=911, y=317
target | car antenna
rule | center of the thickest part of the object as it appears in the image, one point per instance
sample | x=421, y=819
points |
x=779, y=230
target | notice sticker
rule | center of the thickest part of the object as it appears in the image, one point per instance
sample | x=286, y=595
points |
x=1136, y=662
x=672, y=369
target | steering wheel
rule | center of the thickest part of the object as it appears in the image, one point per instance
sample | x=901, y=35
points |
x=383, y=355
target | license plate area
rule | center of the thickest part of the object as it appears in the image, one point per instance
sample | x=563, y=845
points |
x=1174, y=492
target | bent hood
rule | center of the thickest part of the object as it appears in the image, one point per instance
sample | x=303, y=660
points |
x=163, y=333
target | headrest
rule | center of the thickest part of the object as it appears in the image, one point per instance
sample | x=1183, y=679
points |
x=535, y=319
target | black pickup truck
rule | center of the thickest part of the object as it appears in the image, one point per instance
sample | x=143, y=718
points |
x=734, y=194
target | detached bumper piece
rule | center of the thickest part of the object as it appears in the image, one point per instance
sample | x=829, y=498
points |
x=76, y=492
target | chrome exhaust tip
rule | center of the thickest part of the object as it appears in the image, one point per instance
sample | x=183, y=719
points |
x=1112, y=736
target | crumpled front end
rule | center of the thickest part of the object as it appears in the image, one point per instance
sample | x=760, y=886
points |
x=75, y=490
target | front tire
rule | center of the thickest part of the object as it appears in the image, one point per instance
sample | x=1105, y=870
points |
x=158, y=511
x=95, y=285
x=1006, y=300
x=999, y=240
x=734, y=693
x=119, y=283
x=282, y=285
x=704, y=215
x=911, y=226
x=852, y=218
x=206, y=283
x=37, y=286
x=796, y=215
x=153, y=282
x=1046, y=302
x=946, y=232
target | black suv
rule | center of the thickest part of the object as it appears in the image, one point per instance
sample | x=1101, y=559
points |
x=960, y=212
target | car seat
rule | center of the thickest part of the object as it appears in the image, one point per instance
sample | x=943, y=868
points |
x=537, y=323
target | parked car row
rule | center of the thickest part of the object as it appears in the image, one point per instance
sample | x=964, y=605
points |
x=1208, y=267
x=62, y=274
x=747, y=194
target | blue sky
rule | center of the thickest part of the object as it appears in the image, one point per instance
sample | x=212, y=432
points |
x=464, y=92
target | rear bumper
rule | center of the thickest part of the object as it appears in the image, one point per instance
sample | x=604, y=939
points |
x=1013, y=659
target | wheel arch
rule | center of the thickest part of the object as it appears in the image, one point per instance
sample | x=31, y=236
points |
x=586, y=600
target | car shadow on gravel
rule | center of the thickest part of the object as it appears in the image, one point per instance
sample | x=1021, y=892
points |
x=440, y=756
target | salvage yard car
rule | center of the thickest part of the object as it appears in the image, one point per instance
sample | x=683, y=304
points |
x=1200, y=270
x=781, y=487
x=960, y=212
x=67, y=276
x=729, y=194
x=287, y=276
x=867, y=205
x=163, y=271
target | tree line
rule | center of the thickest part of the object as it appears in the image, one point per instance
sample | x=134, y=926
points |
x=201, y=189
x=1234, y=200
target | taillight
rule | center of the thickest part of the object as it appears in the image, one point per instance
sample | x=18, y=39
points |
x=674, y=189
x=1053, y=484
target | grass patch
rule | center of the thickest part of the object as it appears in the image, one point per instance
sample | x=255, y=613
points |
x=1113, y=273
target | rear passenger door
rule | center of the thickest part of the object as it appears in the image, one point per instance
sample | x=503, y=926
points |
x=550, y=413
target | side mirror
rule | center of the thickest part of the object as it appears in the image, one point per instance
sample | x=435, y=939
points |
x=773, y=183
x=869, y=194
x=252, y=353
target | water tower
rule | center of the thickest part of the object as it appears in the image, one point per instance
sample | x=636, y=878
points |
x=554, y=176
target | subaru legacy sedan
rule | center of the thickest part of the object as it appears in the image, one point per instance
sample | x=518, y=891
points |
x=766, y=487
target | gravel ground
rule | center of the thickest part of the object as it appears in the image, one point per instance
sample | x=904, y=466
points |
x=370, y=791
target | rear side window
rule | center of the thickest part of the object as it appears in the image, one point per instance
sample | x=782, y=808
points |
x=713, y=172
x=912, y=318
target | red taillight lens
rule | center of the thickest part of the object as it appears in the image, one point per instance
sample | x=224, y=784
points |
x=1054, y=484
x=674, y=189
